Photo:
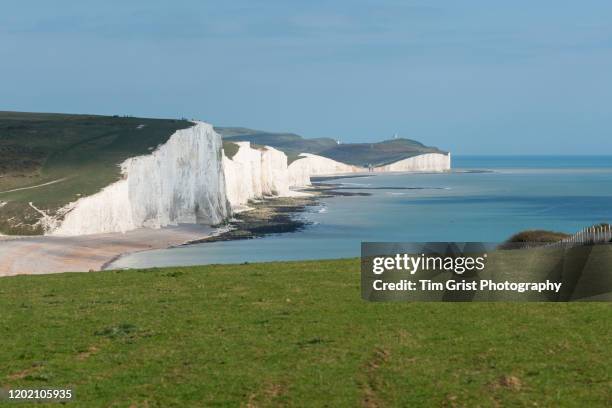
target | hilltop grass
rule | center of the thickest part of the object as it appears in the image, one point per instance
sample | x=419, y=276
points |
x=291, y=157
x=291, y=334
x=290, y=143
x=79, y=154
x=230, y=149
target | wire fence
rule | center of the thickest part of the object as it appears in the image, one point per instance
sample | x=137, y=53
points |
x=598, y=234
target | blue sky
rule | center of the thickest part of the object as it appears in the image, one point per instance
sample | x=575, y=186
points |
x=471, y=76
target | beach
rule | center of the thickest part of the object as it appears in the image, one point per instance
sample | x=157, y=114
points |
x=50, y=254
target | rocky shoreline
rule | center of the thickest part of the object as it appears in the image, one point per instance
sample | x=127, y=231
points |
x=276, y=215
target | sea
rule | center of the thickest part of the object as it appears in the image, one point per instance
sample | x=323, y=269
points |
x=484, y=199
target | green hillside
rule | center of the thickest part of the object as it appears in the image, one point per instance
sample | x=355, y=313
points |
x=378, y=154
x=359, y=154
x=291, y=334
x=287, y=142
x=53, y=159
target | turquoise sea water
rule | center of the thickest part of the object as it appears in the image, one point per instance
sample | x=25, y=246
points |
x=562, y=193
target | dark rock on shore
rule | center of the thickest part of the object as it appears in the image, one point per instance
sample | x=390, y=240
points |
x=276, y=215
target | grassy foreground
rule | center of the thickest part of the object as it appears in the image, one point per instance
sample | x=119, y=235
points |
x=291, y=334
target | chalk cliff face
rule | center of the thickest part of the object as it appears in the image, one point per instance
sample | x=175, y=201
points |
x=309, y=165
x=255, y=173
x=190, y=180
x=424, y=162
x=274, y=174
x=180, y=182
x=312, y=165
x=242, y=175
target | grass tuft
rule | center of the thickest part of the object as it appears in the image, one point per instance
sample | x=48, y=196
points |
x=121, y=330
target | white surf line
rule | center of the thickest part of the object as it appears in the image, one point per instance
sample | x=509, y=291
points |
x=37, y=186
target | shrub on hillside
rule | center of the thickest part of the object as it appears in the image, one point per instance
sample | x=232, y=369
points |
x=524, y=238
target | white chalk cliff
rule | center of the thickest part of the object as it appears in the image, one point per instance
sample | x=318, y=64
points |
x=189, y=179
x=430, y=162
x=182, y=181
x=254, y=173
x=309, y=165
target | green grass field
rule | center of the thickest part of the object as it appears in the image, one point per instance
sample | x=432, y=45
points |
x=291, y=334
x=77, y=154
